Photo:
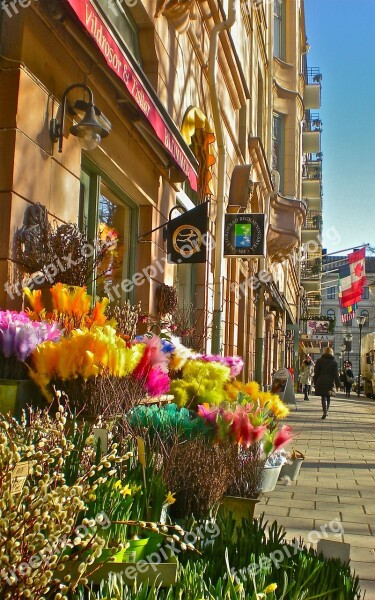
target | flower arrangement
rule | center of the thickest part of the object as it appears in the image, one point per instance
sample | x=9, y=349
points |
x=235, y=363
x=236, y=390
x=167, y=423
x=42, y=246
x=71, y=307
x=242, y=425
x=19, y=337
x=201, y=382
x=84, y=355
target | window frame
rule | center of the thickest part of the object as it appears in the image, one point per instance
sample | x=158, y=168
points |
x=279, y=25
x=280, y=167
x=331, y=292
x=134, y=49
x=93, y=176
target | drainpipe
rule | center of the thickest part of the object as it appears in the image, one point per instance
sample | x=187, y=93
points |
x=259, y=324
x=217, y=331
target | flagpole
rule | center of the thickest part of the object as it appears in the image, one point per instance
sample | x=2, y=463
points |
x=345, y=250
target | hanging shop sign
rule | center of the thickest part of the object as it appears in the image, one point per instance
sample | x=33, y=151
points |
x=245, y=235
x=187, y=236
x=118, y=62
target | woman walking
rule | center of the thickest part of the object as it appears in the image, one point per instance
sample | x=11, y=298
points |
x=326, y=375
x=307, y=374
x=348, y=378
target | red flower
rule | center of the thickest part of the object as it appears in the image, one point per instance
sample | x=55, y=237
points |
x=282, y=437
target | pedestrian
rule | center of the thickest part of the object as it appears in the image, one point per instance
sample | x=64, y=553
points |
x=326, y=375
x=307, y=374
x=348, y=378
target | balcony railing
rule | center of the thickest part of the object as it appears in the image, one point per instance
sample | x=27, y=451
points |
x=313, y=75
x=312, y=122
x=312, y=169
x=314, y=220
x=311, y=268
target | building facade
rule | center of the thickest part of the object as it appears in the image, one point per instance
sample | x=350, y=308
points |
x=346, y=335
x=203, y=103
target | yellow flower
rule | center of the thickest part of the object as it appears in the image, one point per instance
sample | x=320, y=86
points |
x=118, y=485
x=170, y=499
x=270, y=588
x=126, y=491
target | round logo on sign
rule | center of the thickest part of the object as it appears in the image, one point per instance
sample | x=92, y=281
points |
x=187, y=240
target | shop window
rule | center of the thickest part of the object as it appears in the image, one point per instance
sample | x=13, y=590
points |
x=278, y=146
x=331, y=293
x=106, y=212
x=123, y=23
x=279, y=29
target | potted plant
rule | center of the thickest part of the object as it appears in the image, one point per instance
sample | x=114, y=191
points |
x=241, y=497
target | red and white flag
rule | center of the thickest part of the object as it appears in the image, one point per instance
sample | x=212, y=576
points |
x=353, y=279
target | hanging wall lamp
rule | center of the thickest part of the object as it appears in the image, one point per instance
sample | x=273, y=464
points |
x=90, y=129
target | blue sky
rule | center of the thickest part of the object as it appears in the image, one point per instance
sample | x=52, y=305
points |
x=341, y=36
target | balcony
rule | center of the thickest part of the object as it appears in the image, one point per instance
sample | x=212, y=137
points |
x=313, y=221
x=311, y=142
x=312, y=177
x=286, y=219
x=312, y=91
x=311, y=269
x=312, y=128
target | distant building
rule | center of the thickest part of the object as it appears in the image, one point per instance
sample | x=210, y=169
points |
x=331, y=308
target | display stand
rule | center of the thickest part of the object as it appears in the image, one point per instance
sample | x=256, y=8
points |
x=282, y=385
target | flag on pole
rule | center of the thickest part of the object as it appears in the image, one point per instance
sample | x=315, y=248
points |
x=347, y=312
x=352, y=278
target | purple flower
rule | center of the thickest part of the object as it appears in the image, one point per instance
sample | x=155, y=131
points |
x=19, y=336
x=235, y=363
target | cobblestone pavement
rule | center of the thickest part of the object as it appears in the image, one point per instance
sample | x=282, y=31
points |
x=337, y=480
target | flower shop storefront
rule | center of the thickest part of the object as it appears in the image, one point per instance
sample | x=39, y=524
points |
x=114, y=192
x=141, y=466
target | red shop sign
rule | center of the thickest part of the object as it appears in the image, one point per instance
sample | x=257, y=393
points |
x=117, y=61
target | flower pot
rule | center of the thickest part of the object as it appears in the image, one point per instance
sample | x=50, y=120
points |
x=241, y=508
x=269, y=478
x=16, y=394
x=139, y=547
x=291, y=470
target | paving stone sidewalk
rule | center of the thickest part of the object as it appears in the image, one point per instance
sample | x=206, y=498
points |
x=337, y=480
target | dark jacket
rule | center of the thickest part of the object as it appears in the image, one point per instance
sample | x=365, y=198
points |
x=326, y=375
x=348, y=373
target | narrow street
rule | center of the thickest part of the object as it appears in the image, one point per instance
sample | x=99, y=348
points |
x=336, y=481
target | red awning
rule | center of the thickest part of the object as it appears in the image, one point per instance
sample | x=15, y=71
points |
x=117, y=60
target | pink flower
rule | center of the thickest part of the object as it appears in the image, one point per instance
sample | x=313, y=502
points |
x=207, y=412
x=282, y=437
x=157, y=357
x=157, y=382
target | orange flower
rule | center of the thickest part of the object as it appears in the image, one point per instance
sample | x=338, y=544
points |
x=35, y=299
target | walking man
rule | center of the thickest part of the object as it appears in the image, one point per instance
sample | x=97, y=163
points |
x=326, y=375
